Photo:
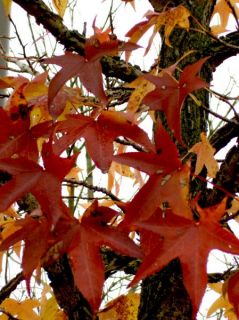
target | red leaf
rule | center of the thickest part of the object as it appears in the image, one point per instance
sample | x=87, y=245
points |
x=170, y=94
x=100, y=134
x=84, y=251
x=33, y=253
x=158, y=190
x=31, y=230
x=191, y=242
x=88, y=270
x=165, y=161
x=104, y=43
x=87, y=68
x=73, y=65
x=30, y=177
x=18, y=138
x=54, y=164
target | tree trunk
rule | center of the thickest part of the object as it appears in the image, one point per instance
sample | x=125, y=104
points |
x=164, y=295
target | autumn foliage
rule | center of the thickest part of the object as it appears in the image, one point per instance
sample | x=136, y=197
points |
x=43, y=123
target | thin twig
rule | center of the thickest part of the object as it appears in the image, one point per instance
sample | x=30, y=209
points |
x=129, y=143
x=23, y=47
x=95, y=188
x=219, y=116
x=225, y=99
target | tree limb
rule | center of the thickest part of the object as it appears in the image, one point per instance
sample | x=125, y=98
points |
x=224, y=134
x=227, y=179
x=10, y=286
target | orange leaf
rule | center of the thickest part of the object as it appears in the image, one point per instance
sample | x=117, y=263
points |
x=21, y=309
x=205, y=152
x=224, y=11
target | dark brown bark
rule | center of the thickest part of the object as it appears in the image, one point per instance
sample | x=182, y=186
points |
x=67, y=295
x=163, y=295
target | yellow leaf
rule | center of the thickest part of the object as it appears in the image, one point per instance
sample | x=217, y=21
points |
x=124, y=307
x=221, y=303
x=142, y=87
x=36, y=88
x=170, y=19
x=38, y=115
x=49, y=309
x=21, y=309
x=11, y=212
x=60, y=6
x=7, y=6
x=224, y=11
x=179, y=16
x=205, y=152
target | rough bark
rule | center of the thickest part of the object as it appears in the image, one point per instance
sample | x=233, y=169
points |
x=163, y=295
x=67, y=295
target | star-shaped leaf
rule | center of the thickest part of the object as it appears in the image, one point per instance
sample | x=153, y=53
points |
x=100, y=134
x=191, y=242
x=169, y=94
x=88, y=237
x=27, y=176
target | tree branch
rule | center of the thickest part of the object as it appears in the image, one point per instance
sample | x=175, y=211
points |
x=10, y=286
x=224, y=135
x=227, y=178
x=222, y=48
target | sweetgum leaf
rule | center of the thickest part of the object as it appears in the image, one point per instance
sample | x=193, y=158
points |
x=205, y=156
x=165, y=161
x=74, y=65
x=191, y=242
x=169, y=94
x=87, y=68
x=84, y=251
x=30, y=230
x=27, y=176
x=171, y=189
x=18, y=138
x=100, y=134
